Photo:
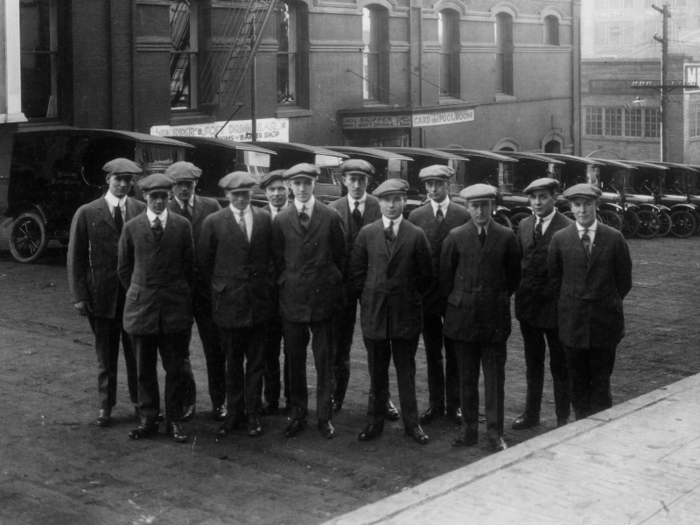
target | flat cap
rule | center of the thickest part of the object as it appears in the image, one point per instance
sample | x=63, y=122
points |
x=545, y=183
x=587, y=191
x=156, y=182
x=391, y=187
x=238, y=181
x=478, y=192
x=436, y=172
x=357, y=167
x=183, y=171
x=310, y=171
x=269, y=178
x=122, y=166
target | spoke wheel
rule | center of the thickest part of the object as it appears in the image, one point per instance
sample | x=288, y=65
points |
x=696, y=216
x=503, y=220
x=515, y=220
x=664, y=224
x=682, y=224
x=630, y=224
x=610, y=218
x=28, y=238
x=648, y=224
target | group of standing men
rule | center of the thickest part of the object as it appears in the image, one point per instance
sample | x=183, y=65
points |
x=296, y=271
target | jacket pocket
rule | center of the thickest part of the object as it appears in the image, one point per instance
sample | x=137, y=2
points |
x=132, y=294
x=455, y=298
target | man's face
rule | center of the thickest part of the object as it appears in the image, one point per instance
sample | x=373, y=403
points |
x=480, y=210
x=542, y=202
x=584, y=210
x=119, y=185
x=157, y=201
x=277, y=192
x=437, y=189
x=392, y=206
x=356, y=185
x=239, y=199
x=303, y=188
x=184, y=190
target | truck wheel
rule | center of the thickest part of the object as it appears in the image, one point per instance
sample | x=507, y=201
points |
x=28, y=239
x=648, y=224
x=515, y=220
x=503, y=220
x=664, y=224
x=610, y=218
x=682, y=224
x=630, y=224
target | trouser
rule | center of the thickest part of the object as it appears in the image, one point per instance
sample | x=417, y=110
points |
x=471, y=355
x=404, y=353
x=243, y=388
x=171, y=347
x=213, y=353
x=296, y=338
x=443, y=379
x=107, y=334
x=589, y=379
x=272, y=378
x=344, y=330
x=535, y=351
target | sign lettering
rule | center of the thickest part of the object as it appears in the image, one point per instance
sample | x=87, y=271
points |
x=272, y=129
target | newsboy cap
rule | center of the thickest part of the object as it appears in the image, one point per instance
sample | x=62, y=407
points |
x=238, y=181
x=357, y=167
x=478, y=192
x=122, y=166
x=269, y=178
x=156, y=182
x=183, y=171
x=436, y=172
x=587, y=191
x=391, y=187
x=310, y=171
x=545, y=183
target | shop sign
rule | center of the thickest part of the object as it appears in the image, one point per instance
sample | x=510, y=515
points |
x=270, y=129
x=691, y=75
x=377, y=122
x=442, y=118
x=613, y=86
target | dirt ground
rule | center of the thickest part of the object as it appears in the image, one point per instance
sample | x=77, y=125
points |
x=57, y=468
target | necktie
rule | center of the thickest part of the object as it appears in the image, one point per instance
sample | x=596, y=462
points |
x=279, y=209
x=304, y=219
x=439, y=216
x=586, y=242
x=157, y=229
x=389, y=236
x=538, y=230
x=356, y=215
x=118, y=219
x=482, y=237
x=241, y=223
x=186, y=211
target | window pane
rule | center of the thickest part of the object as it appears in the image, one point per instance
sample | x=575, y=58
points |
x=286, y=54
x=594, y=121
x=370, y=60
x=613, y=122
x=39, y=59
x=694, y=116
x=652, y=123
x=633, y=123
x=180, y=63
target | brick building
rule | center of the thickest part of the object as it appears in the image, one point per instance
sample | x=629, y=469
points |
x=478, y=73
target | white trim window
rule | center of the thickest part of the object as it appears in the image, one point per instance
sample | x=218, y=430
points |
x=643, y=123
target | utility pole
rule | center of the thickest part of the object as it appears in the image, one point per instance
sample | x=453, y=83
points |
x=664, y=79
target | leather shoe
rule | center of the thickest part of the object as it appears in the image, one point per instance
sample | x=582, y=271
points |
x=454, y=415
x=562, y=421
x=418, y=435
x=392, y=414
x=175, y=430
x=525, y=421
x=295, y=427
x=269, y=409
x=188, y=412
x=326, y=429
x=371, y=431
x=230, y=424
x=144, y=431
x=431, y=415
x=104, y=418
x=466, y=438
x=219, y=413
x=254, y=426
x=498, y=445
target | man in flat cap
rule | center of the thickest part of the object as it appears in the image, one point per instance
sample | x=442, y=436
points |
x=156, y=266
x=92, y=276
x=536, y=305
x=277, y=193
x=233, y=255
x=309, y=253
x=195, y=209
x=591, y=270
x=392, y=270
x=357, y=209
x=436, y=218
x=479, y=271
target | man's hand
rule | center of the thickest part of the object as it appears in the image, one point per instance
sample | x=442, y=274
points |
x=83, y=307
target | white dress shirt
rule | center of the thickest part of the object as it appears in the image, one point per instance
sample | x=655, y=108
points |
x=247, y=217
x=437, y=205
x=152, y=217
x=274, y=210
x=361, y=207
x=591, y=230
x=190, y=204
x=309, y=205
x=397, y=221
x=547, y=220
x=113, y=202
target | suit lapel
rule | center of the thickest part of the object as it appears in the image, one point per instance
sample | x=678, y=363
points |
x=196, y=209
x=491, y=235
x=599, y=241
x=315, y=219
x=344, y=210
x=168, y=231
x=400, y=238
x=103, y=208
x=527, y=229
x=130, y=209
x=371, y=210
x=235, y=228
x=380, y=239
x=146, y=231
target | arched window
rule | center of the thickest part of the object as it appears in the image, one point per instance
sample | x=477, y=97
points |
x=504, y=53
x=450, y=48
x=375, y=36
x=292, y=54
x=551, y=30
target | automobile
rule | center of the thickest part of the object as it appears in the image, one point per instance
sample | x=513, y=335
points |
x=677, y=189
x=218, y=157
x=54, y=171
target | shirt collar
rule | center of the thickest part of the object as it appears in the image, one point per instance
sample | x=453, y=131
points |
x=113, y=201
x=182, y=203
x=397, y=221
x=591, y=228
x=309, y=204
x=444, y=204
x=352, y=201
x=237, y=212
x=152, y=216
x=548, y=217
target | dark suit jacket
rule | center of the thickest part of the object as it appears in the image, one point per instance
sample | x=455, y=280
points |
x=535, y=299
x=478, y=282
x=372, y=213
x=309, y=265
x=203, y=207
x=424, y=218
x=157, y=276
x=93, y=255
x=590, y=295
x=392, y=285
x=239, y=271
